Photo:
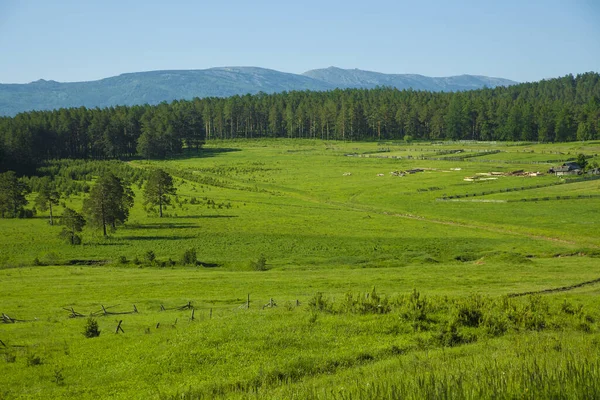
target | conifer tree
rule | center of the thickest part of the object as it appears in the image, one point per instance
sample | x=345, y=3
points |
x=73, y=223
x=158, y=189
x=108, y=203
x=47, y=197
x=12, y=195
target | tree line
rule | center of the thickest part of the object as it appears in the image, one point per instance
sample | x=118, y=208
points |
x=106, y=206
x=562, y=109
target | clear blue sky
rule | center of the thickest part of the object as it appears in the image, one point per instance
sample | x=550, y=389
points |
x=74, y=40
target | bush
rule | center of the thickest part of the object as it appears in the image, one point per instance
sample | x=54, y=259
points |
x=318, y=303
x=415, y=309
x=469, y=312
x=260, y=264
x=449, y=336
x=122, y=260
x=150, y=256
x=76, y=240
x=10, y=357
x=189, y=257
x=90, y=329
x=33, y=360
x=26, y=213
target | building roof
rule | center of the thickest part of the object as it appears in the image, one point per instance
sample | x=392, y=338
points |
x=572, y=165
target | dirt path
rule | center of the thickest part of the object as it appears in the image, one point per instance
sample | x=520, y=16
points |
x=555, y=290
x=485, y=228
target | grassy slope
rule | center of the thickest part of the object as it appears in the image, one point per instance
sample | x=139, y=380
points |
x=321, y=231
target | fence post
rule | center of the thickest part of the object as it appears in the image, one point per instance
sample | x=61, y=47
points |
x=119, y=327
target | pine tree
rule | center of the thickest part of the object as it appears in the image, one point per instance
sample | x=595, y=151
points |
x=12, y=195
x=47, y=197
x=158, y=189
x=73, y=223
x=108, y=203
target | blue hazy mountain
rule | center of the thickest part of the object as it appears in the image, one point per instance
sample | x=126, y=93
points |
x=356, y=78
x=157, y=86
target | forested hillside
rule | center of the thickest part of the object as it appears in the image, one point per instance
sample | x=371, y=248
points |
x=563, y=109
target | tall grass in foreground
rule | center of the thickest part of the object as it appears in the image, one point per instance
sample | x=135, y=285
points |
x=456, y=351
x=532, y=375
x=539, y=366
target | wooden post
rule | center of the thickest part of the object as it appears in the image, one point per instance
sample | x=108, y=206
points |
x=297, y=303
x=157, y=325
x=192, y=318
x=135, y=309
x=271, y=303
x=7, y=319
x=248, y=301
x=162, y=308
x=119, y=327
x=210, y=314
x=103, y=309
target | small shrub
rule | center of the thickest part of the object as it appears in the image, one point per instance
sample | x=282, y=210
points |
x=26, y=213
x=189, y=257
x=150, y=256
x=122, y=260
x=415, y=309
x=10, y=357
x=569, y=308
x=449, y=336
x=318, y=303
x=33, y=360
x=495, y=324
x=470, y=311
x=260, y=264
x=90, y=329
x=136, y=261
x=59, y=378
x=76, y=240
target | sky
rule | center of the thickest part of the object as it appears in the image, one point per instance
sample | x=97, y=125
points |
x=81, y=40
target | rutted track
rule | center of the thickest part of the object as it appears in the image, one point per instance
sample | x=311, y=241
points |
x=555, y=290
x=485, y=228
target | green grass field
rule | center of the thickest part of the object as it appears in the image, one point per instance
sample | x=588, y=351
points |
x=346, y=243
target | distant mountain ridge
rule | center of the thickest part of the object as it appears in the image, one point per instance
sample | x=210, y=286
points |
x=356, y=78
x=157, y=86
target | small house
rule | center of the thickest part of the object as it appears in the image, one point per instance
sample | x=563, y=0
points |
x=569, y=168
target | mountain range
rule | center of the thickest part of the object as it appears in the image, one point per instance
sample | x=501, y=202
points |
x=157, y=86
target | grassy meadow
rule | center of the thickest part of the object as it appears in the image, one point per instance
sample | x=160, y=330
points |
x=378, y=283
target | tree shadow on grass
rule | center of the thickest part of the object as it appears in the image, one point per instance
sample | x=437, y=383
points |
x=205, y=216
x=176, y=237
x=208, y=265
x=204, y=153
x=166, y=225
x=104, y=244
